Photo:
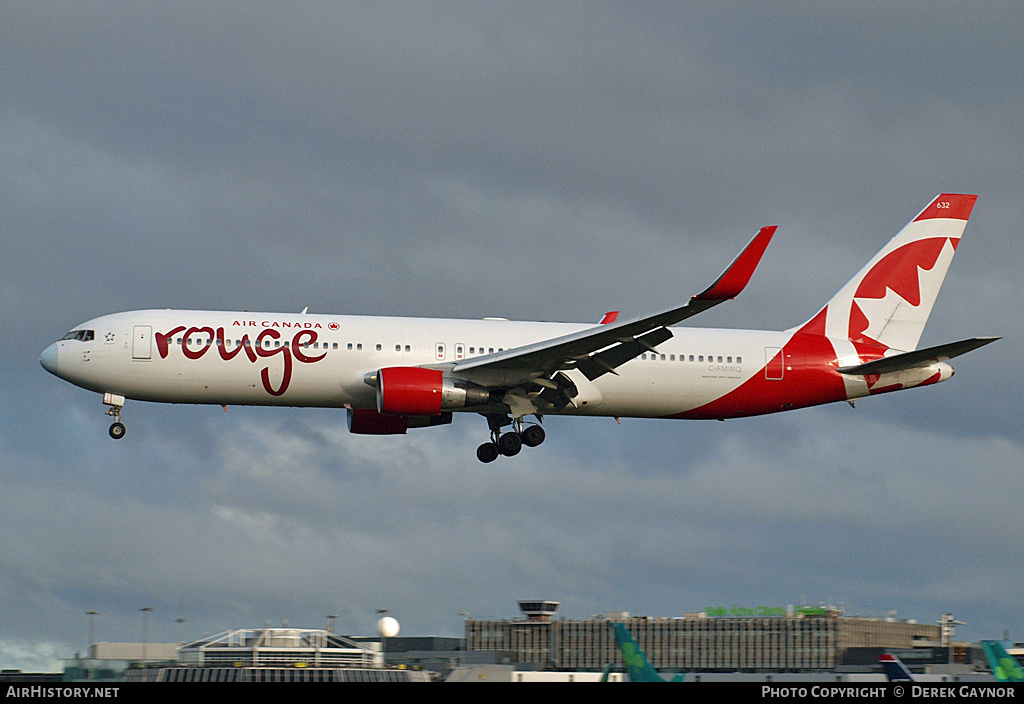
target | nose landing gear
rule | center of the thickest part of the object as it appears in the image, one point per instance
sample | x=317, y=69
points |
x=116, y=403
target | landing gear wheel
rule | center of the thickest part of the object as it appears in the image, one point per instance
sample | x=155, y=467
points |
x=533, y=435
x=488, y=452
x=510, y=444
x=114, y=405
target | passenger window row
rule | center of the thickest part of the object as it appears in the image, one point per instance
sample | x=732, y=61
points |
x=206, y=342
x=269, y=343
x=692, y=358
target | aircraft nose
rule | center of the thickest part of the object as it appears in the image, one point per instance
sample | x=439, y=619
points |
x=49, y=358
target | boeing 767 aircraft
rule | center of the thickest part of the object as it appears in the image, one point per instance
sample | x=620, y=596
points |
x=392, y=374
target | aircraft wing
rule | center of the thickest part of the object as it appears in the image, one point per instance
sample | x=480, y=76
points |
x=599, y=350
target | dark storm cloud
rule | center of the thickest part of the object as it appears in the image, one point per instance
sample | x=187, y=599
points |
x=529, y=161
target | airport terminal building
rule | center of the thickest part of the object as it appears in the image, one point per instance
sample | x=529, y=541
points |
x=275, y=655
x=759, y=643
x=783, y=640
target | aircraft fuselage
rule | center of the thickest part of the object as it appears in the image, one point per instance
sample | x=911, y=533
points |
x=274, y=359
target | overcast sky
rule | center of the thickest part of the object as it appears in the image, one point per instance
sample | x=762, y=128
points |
x=544, y=161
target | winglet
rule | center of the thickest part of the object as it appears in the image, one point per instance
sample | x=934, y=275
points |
x=735, y=278
x=609, y=317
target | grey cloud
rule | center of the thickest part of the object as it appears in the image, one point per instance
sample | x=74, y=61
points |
x=548, y=161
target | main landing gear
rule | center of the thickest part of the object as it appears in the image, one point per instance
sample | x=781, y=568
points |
x=116, y=403
x=508, y=444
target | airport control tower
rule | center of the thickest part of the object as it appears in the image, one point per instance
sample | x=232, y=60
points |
x=538, y=610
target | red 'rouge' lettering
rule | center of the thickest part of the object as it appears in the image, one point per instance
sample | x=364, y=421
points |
x=195, y=354
x=268, y=352
x=254, y=352
x=161, y=340
x=297, y=347
x=242, y=344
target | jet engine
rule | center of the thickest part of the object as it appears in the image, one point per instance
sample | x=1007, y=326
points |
x=415, y=391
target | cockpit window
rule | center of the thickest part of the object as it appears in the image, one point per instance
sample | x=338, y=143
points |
x=80, y=335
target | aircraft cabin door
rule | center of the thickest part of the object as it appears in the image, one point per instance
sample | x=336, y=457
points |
x=142, y=342
x=774, y=363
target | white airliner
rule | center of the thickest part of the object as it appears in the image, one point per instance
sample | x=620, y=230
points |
x=392, y=374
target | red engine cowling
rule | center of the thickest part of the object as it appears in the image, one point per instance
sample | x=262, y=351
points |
x=409, y=391
x=415, y=391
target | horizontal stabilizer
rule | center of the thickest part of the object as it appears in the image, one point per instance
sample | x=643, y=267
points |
x=918, y=358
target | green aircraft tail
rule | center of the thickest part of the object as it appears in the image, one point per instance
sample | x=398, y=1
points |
x=640, y=670
x=1004, y=666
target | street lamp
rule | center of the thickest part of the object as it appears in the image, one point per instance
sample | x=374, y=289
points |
x=145, y=633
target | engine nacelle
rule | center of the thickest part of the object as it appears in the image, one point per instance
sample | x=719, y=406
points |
x=415, y=391
x=366, y=421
